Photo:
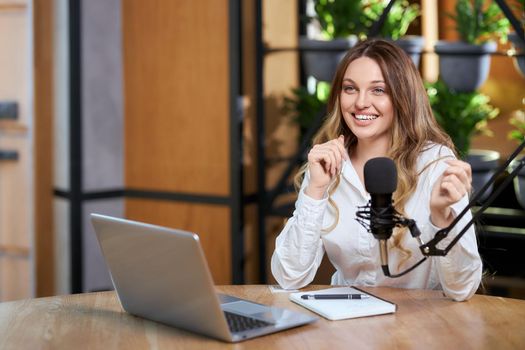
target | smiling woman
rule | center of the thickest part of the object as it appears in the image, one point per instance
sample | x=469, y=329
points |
x=378, y=108
x=363, y=100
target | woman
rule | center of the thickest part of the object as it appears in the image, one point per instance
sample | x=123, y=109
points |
x=378, y=107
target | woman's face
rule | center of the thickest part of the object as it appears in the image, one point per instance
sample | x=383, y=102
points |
x=365, y=101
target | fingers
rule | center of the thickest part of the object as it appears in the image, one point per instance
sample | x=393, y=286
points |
x=456, y=181
x=461, y=171
x=452, y=185
x=326, y=158
x=329, y=155
x=452, y=189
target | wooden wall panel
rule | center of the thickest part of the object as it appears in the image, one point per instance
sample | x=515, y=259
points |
x=177, y=117
x=15, y=276
x=43, y=141
x=447, y=27
x=210, y=222
x=176, y=75
x=16, y=222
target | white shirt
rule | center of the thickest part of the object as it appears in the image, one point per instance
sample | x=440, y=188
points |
x=354, y=252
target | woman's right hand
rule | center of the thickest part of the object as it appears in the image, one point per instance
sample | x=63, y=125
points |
x=324, y=163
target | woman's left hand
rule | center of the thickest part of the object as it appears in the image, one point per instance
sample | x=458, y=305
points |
x=451, y=186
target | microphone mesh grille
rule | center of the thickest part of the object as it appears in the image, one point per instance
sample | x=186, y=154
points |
x=380, y=175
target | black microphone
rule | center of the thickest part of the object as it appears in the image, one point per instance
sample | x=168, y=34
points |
x=380, y=217
x=381, y=181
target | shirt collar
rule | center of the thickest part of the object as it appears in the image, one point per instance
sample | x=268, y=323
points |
x=349, y=174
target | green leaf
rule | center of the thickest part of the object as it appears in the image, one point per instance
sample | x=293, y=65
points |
x=477, y=25
x=341, y=18
x=304, y=106
x=461, y=115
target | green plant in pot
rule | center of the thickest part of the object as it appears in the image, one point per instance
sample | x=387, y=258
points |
x=463, y=115
x=517, y=120
x=399, y=18
x=518, y=44
x=464, y=65
x=340, y=18
x=304, y=106
x=342, y=22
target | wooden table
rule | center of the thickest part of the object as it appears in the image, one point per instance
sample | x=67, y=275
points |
x=424, y=320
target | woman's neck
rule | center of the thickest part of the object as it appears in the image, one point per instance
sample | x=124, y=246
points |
x=364, y=151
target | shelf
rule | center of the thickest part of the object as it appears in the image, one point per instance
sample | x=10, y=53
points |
x=503, y=217
x=13, y=6
x=14, y=251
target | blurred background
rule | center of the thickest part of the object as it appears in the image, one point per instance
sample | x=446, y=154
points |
x=197, y=114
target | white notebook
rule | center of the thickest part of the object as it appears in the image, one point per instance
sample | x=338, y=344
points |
x=340, y=309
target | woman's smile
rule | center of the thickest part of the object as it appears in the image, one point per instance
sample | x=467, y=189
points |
x=365, y=116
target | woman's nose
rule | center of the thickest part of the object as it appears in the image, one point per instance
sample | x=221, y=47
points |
x=362, y=100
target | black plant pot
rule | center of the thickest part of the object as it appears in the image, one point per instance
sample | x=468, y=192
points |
x=413, y=46
x=464, y=67
x=484, y=164
x=321, y=57
x=519, y=183
x=519, y=46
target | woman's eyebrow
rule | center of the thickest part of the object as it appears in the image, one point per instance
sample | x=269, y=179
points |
x=372, y=82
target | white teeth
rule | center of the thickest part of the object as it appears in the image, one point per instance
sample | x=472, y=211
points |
x=365, y=117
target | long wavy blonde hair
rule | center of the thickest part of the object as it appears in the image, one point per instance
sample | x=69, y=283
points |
x=413, y=128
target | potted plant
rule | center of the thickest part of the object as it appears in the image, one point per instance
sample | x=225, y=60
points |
x=517, y=120
x=342, y=22
x=518, y=44
x=464, y=65
x=463, y=115
x=304, y=106
x=399, y=18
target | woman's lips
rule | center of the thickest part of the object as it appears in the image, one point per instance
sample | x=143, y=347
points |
x=365, y=116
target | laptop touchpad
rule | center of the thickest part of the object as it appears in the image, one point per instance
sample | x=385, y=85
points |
x=244, y=308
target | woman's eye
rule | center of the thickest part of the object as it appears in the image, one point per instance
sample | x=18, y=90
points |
x=378, y=91
x=348, y=88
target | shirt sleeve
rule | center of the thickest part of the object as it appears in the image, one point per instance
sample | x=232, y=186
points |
x=460, y=270
x=298, y=248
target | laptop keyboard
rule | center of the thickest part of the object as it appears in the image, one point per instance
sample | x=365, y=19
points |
x=239, y=323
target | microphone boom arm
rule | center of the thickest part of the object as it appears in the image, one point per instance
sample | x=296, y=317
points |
x=430, y=248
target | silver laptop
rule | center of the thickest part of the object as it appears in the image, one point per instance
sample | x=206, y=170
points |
x=161, y=274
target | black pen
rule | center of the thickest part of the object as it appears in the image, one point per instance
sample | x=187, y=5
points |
x=333, y=296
